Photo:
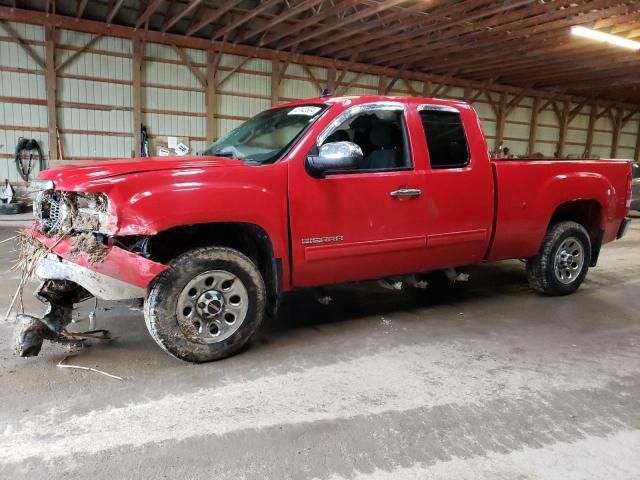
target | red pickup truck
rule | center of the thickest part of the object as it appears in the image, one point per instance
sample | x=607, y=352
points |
x=310, y=193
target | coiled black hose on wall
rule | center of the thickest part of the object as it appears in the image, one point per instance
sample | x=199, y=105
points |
x=28, y=152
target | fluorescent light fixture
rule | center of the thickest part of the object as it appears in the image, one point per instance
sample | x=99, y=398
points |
x=605, y=37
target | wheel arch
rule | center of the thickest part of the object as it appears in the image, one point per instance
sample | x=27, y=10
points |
x=250, y=239
x=589, y=214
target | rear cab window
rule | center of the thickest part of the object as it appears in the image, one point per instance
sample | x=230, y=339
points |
x=446, y=139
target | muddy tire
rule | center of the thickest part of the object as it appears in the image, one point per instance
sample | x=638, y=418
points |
x=563, y=261
x=207, y=305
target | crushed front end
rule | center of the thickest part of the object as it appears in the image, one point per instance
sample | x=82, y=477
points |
x=70, y=250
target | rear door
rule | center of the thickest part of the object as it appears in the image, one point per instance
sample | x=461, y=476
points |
x=366, y=223
x=459, y=185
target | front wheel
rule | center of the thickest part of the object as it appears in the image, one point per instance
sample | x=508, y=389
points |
x=207, y=305
x=563, y=261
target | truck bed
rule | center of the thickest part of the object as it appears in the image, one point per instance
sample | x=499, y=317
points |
x=528, y=190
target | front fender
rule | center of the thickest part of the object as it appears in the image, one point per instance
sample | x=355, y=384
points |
x=147, y=203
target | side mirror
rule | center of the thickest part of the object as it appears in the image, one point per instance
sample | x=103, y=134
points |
x=334, y=156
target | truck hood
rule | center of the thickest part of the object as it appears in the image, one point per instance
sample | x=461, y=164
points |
x=67, y=177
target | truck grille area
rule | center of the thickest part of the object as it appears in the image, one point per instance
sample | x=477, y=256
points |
x=49, y=210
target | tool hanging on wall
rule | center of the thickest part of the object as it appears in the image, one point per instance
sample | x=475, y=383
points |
x=59, y=145
x=28, y=152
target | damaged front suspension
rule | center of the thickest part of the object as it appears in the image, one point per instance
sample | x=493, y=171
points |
x=59, y=296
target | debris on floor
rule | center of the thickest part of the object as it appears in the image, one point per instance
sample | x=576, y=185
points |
x=454, y=276
x=390, y=283
x=61, y=364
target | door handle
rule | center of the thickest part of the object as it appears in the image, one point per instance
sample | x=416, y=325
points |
x=406, y=192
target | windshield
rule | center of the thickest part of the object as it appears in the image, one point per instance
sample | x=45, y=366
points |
x=267, y=136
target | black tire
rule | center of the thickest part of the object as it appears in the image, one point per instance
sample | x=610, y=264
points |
x=172, y=333
x=12, y=208
x=541, y=270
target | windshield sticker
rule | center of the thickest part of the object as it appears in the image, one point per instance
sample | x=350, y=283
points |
x=308, y=111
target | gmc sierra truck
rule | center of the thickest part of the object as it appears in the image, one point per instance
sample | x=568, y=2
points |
x=310, y=193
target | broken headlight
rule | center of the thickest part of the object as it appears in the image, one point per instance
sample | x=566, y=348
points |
x=63, y=212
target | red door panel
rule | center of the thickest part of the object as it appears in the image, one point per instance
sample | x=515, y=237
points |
x=349, y=226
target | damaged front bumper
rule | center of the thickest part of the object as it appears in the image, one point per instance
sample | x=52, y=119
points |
x=70, y=276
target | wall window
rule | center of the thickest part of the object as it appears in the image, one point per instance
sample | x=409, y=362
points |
x=446, y=139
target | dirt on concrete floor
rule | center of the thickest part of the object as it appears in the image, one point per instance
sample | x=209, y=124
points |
x=485, y=381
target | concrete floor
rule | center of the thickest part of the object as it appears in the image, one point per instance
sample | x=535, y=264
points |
x=489, y=381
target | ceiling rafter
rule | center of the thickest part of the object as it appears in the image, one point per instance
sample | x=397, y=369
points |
x=230, y=27
x=362, y=14
x=513, y=43
x=146, y=15
x=212, y=17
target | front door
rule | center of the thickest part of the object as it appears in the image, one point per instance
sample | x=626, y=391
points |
x=365, y=223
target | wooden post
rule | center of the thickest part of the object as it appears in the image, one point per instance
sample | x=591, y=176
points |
x=138, y=55
x=50, y=80
x=563, y=120
x=426, y=89
x=275, y=82
x=501, y=118
x=211, y=97
x=617, y=127
x=382, y=85
x=533, y=128
x=467, y=94
x=636, y=154
x=592, y=123
x=331, y=79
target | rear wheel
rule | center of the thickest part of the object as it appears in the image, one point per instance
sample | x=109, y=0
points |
x=563, y=261
x=207, y=305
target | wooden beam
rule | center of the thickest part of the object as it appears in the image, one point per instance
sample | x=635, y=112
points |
x=533, y=125
x=114, y=11
x=77, y=53
x=409, y=85
x=187, y=62
x=346, y=88
x=392, y=82
x=213, y=16
x=576, y=110
x=51, y=87
x=181, y=14
x=212, y=69
x=324, y=29
x=89, y=26
x=136, y=93
x=146, y=15
x=231, y=26
x=23, y=43
x=314, y=79
x=81, y=7
x=308, y=22
x=232, y=72
x=285, y=15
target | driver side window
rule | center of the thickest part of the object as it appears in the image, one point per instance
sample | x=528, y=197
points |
x=382, y=137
